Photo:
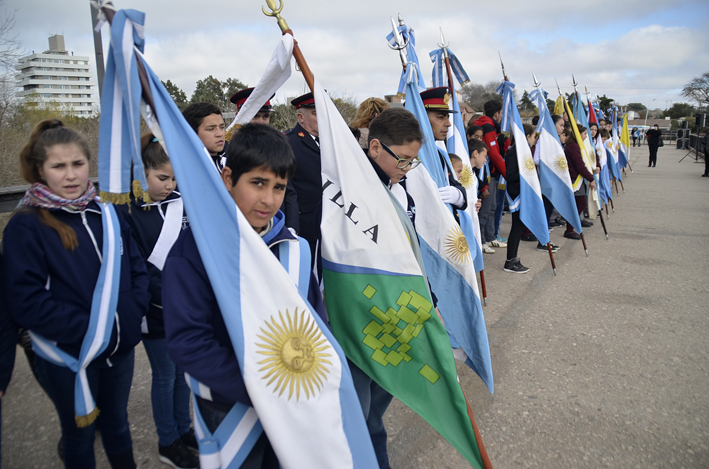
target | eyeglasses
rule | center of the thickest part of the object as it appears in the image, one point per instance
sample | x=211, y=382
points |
x=402, y=163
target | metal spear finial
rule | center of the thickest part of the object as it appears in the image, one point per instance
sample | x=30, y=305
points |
x=401, y=20
x=504, y=74
x=276, y=12
x=537, y=83
x=401, y=43
x=443, y=44
x=573, y=80
x=557, y=86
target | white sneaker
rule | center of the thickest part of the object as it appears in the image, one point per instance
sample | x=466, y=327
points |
x=487, y=249
x=498, y=244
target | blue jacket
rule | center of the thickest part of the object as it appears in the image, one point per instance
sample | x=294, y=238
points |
x=34, y=256
x=146, y=225
x=8, y=337
x=197, y=338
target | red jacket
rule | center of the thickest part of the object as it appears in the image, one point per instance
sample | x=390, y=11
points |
x=493, y=149
x=575, y=162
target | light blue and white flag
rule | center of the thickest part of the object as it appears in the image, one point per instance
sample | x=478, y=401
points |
x=445, y=247
x=457, y=144
x=409, y=36
x=614, y=161
x=304, y=397
x=553, y=169
x=101, y=320
x=531, y=204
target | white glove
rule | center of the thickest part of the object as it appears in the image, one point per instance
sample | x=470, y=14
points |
x=451, y=195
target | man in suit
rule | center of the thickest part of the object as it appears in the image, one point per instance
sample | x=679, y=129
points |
x=307, y=180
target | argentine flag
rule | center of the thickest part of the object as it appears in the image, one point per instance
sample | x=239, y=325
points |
x=410, y=38
x=457, y=144
x=311, y=413
x=624, y=143
x=554, y=175
x=531, y=205
x=445, y=247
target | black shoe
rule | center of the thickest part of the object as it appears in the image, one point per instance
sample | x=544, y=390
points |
x=649, y=165
x=529, y=238
x=190, y=441
x=513, y=265
x=178, y=456
x=586, y=223
x=543, y=248
x=705, y=175
x=572, y=235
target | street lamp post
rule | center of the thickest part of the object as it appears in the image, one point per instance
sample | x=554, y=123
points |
x=647, y=111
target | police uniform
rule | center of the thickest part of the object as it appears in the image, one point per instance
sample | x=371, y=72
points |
x=290, y=202
x=437, y=99
x=307, y=180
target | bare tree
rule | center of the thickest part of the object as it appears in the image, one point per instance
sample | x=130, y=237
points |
x=698, y=90
x=10, y=45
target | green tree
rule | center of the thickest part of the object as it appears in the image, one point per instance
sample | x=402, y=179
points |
x=526, y=103
x=605, y=102
x=680, y=110
x=283, y=117
x=550, y=105
x=347, y=105
x=476, y=94
x=211, y=90
x=176, y=94
x=638, y=107
x=698, y=90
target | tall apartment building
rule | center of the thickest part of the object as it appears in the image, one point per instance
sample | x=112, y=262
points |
x=57, y=75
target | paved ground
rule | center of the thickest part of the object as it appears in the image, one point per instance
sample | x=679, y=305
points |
x=605, y=365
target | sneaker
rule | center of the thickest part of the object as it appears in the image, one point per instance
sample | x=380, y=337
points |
x=190, y=441
x=586, y=223
x=572, y=235
x=178, y=456
x=501, y=239
x=498, y=244
x=543, y=248
x=513, y=265
x=529, y=238
x=487, y=249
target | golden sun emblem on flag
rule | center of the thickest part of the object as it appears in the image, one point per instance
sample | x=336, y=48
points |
x=456, y=246
x=466, y=178
x=296, y=351
x=560, y=165
x=528, y=165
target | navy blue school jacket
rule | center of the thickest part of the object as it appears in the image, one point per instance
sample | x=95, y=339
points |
x=34, y=257
x=197, y=339
x=8, y=336
x=146, y=225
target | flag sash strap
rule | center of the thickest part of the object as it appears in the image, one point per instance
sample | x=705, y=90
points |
x=171, y=228
x=237, y=434
x=103, y=312
x=440, y=73
x=513, y=203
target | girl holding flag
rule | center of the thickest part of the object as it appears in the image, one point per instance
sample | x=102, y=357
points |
x=577, y=170
x=80, y=287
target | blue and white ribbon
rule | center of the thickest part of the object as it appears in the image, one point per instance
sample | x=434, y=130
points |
x=103, y=312
x=120, y=109
x=440, y=74
x=409, y=36
x=506, y=89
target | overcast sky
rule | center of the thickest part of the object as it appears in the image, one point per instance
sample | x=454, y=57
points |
x=630, y=50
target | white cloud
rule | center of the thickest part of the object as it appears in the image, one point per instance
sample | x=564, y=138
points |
x=345, y=46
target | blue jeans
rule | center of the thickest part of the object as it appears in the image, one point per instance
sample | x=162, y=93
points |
x=110, y=387
x=170, y=394
x=374, y=400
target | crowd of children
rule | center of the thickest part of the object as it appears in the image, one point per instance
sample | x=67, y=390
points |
x=90, y=281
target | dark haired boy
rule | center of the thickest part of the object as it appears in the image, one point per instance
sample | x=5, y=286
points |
x=259, y=163
x=207, y=121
